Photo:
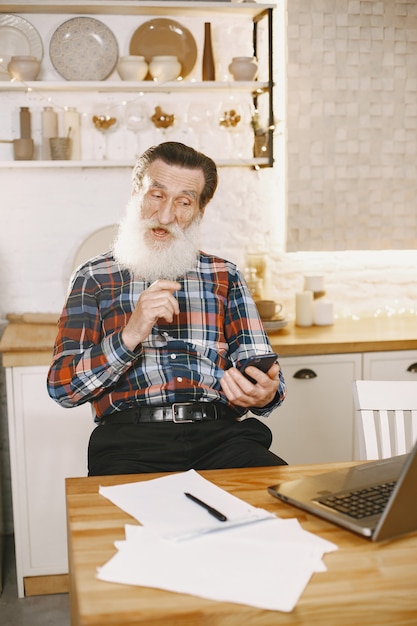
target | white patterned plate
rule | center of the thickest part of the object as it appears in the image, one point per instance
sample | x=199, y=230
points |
x=83, y=48
x=17, y=38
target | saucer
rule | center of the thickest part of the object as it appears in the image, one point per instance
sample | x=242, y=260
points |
x=274, y=324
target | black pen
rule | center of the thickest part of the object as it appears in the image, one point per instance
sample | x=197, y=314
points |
x=214, y=512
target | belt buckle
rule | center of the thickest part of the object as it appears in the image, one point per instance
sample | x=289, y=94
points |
x=174, y=409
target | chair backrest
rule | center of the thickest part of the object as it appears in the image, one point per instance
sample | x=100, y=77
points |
x=386, y=414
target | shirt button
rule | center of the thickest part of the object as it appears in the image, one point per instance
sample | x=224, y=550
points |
x=179, y=379
x=173, y=356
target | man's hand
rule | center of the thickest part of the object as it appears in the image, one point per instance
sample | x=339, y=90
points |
x=241, y=392
x=156, y=302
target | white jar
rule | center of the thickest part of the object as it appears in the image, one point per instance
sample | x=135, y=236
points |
x=164, y=68
x=132, y=67
x=24, y=67
x=49, y=129
x=244, y=68
x=71, y=121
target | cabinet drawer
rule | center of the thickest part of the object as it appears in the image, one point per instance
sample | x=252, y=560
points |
x=315, y=424
x=397, y=365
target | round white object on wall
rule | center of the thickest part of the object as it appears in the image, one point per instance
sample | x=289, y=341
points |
x=97, y=242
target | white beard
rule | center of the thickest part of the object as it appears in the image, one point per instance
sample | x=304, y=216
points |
x=155, y=260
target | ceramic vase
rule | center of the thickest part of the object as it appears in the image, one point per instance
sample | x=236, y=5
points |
x=243, y=68
x=25, y=123
x=133, y=67
x=24, y=67
x=208, y=68
x=164, y=68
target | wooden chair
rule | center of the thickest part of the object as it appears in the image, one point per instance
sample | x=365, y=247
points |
x=386, y=414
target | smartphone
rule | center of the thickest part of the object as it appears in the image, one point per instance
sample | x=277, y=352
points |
x=261, y=361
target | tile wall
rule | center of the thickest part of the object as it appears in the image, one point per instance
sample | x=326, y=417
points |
x=352, y=122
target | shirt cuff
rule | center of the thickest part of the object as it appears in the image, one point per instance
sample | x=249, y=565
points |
x=118, y=356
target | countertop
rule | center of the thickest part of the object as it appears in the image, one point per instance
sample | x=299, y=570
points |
x=367, y=334
x=28, y=339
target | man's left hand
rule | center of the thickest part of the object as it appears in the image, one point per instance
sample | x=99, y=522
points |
x=241, y=392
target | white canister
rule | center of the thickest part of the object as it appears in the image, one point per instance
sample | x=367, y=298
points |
x=244, y=68
x=304, y=308
x=72, y=121
x=49, y=129
x=164, y=68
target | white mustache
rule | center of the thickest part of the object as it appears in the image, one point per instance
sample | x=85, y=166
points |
x=172, y=229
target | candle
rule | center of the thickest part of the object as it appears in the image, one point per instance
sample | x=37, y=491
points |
x=323, y=313
x=304, y=308
x=314, y=283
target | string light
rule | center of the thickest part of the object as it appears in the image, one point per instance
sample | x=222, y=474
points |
x=45, y=98
x=51, y=102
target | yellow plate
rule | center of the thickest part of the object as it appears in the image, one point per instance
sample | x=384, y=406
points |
x=163, y=36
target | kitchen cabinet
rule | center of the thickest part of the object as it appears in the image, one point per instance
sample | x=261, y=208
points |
x=396, y=365
x=118, y=14
x=315, y=424
x=47, y=444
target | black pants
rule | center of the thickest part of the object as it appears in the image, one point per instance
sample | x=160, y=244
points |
x=170, y=447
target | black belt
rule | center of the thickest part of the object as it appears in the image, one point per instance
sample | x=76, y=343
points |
x=178, y=412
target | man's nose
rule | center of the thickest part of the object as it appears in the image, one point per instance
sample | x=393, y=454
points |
x=166, y=212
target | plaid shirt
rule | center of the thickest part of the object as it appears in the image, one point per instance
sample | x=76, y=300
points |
x=218, y=326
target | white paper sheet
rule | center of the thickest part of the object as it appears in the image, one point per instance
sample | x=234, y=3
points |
x=266, y=564
x=161, y=504
x=263, y=571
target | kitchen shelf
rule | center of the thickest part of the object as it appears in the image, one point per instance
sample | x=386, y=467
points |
x=130, y=7
x=254, y=87
x=256, y=163
x=246, y=10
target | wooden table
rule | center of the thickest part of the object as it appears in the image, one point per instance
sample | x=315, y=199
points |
x=366, y=584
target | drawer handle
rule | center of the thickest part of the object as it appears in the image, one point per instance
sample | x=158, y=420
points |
x=306, y=374
x=412, y=368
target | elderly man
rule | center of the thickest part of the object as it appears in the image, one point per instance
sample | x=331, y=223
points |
x=153, y=334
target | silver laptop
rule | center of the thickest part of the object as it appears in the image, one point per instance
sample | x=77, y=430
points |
x=376, y=499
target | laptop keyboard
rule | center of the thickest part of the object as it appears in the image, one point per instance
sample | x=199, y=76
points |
x=361, y=502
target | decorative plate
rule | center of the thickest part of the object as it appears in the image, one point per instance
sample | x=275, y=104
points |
x=271, y=325
x=163, y=36
x=83, y=48
x=17, y=38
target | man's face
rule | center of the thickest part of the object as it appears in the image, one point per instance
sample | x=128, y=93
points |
x=158, y=237
x=170, y=197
